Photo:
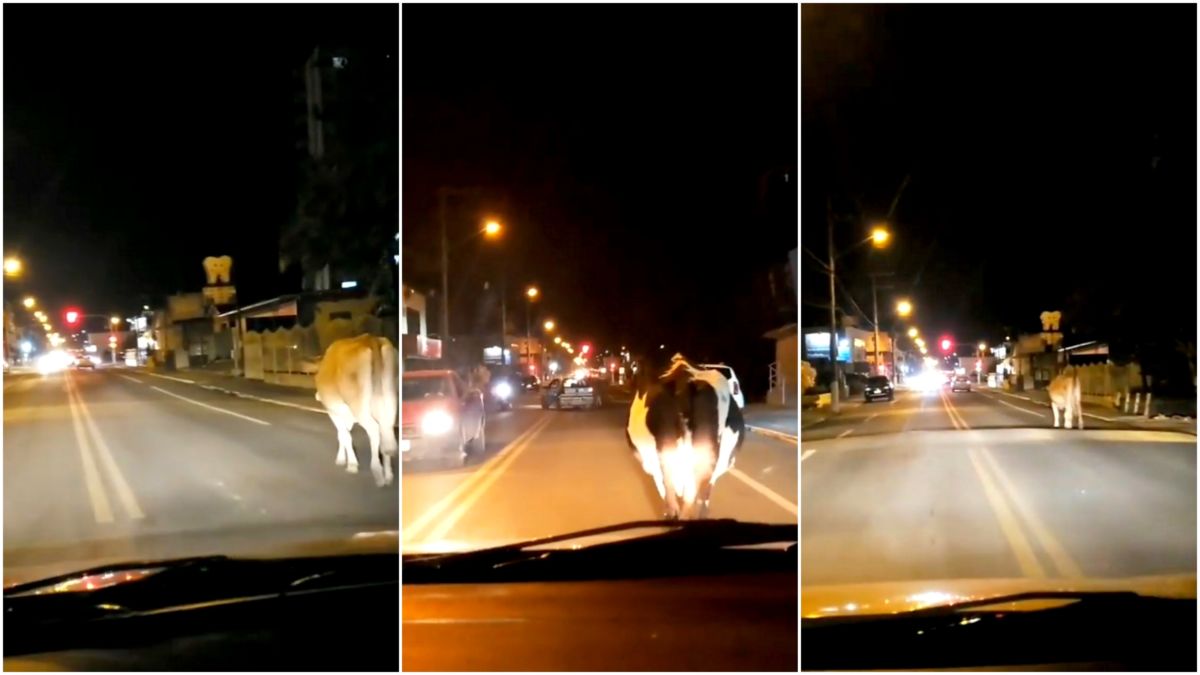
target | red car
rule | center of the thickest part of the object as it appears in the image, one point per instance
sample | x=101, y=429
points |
x=442, y=419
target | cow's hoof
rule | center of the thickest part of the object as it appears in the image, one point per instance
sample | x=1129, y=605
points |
x=352, y=468
x=340, y=461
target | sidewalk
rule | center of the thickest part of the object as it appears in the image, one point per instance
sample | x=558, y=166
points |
x=777, y=421
x=1110, y=414
x=222, y=379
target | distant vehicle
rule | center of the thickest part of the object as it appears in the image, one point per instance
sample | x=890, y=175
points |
x=960, y=383
x=443, y=419
x=572, y=393
x=504, y=388
x=878, y=386
x=529, y=383
x=734, y=385
x=85, y=361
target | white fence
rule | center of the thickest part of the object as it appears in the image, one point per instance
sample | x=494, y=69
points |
x=288, y=356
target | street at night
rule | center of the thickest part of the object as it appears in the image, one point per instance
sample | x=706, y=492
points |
x=144, y=467
x=201, y=335
x=550, y=472
x=976, y=485
x=998, y=234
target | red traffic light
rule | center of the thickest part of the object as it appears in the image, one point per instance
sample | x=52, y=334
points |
x=585, y=349
x=946, y=344
x=72, y=317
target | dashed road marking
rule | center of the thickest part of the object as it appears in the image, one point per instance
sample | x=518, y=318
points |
x=845, y=433
x=767, y=492
x=168, y=377
x=131, y=379
x=213, y=407
x=807, y=453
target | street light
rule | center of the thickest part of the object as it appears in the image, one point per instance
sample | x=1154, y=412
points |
x=557, y=340
x=13, y=267
x=531, y=293
x=29, y=302
x=492, y=228
x=912, y=332
x=879, y=237
x=549, y=325
x=904, y=308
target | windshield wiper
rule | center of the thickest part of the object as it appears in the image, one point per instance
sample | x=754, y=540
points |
x=640, y=555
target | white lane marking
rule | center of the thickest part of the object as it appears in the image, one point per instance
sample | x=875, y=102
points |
x=771, y=433
x=124, y=493
x=260, y=399
x=212, y=407
x=766, y=492
x=411, y=531
x=168, y=377
x=101, y=509
x=807, y=454
x=131, y=379
x=845, y=433
x=1035, y=413
x=1042, y=403
x=871, y=418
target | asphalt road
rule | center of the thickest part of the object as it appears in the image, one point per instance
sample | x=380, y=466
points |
x=117, y=465
x=553, y=472
x=978, y=485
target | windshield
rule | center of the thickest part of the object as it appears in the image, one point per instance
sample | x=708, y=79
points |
x=1042, y=426
x=419, y=388
x=163, y=395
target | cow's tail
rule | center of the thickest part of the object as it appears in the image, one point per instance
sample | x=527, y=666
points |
x=384, y=403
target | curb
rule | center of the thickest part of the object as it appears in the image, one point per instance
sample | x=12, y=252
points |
x=239, y=394
x=778, y=435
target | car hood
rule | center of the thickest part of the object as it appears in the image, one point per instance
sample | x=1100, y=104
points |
x=359, y=543
x=895, y=597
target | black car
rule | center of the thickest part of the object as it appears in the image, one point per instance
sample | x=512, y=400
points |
x=878, y=386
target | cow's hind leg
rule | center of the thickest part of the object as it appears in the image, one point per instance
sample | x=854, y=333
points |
x=344, y=421
x=1054, y=409
x=373, y=435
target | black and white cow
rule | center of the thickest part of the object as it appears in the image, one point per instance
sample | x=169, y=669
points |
x=685, y=429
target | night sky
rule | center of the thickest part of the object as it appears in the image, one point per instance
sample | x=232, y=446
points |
x=625, y=147
x=1052, y=159
x=139, y=139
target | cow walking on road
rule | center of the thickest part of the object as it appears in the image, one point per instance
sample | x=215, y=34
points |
x=356, y=382
x=1066, y=397
x=685, y=429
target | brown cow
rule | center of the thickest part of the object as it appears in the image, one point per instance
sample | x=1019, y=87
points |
x=1065, y=396
x=356, y=382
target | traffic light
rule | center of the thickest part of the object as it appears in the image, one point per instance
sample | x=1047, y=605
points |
x=71, y=316
x=584, y=349
x=947, y=343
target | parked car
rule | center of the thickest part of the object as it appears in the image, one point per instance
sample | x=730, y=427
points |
x=878, y=386
x=734, y=385
x=443, y=419
x=572, y=393
x=960, y=383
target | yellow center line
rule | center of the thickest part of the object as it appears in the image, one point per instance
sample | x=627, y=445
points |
x=412, y=530
x=124, y=493
x=1028, y=562
x=1058, y=554
x=101, y=509
x=482, y=485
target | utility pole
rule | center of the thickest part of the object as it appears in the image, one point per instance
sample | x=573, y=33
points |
x=835, y=388
x=445, y=322
x=875, y=302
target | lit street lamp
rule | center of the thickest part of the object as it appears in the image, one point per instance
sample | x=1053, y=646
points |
x=29, y=302
x=531, y=293
x=549, y=325
x=13, y=267
x=904, y=308
x=912, y=332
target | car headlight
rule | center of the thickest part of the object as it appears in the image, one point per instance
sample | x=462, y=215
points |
x=437, y=422
x=502, y=390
